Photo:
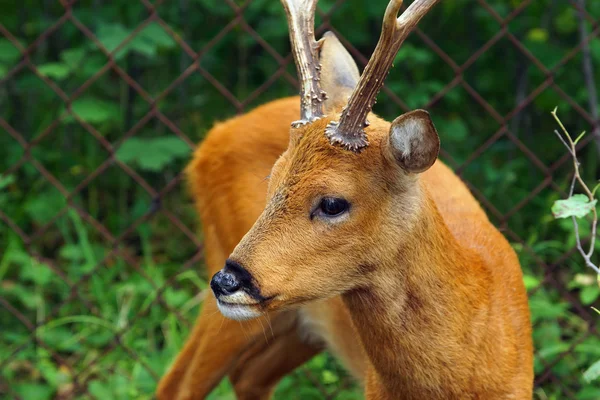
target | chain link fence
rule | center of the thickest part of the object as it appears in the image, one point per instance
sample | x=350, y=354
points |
x=102, y=102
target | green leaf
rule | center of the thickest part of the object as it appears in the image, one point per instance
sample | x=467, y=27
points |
x=72, y=252
x=72, y=57
x=99, y=339
x=44, y=206
x=154, y=160
x=111, y=36
x=129, y=151
x=146, y=42
x=329, y=377
x=33, y=391
x=537, y=35
x=172, y=145
x=155, y=33
x=152, y=154
x=142, y=45
x=6, y=180
x=593, y=372
x=51, y=373
x=54, y=70
x=588, y=393
x=456, y=130
x=25, y=296
x=552, y=351
x=9, y=54
x=566, y=21
x=578, y=205
x=19, y=257
x=589, y=294
x=94, y=111
x=100, y=390
x=543, y=309
x=142, y=378
x=175, y=298
x=530, y=282
x=36, y=272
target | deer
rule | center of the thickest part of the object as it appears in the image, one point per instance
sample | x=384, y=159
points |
x=343, y=231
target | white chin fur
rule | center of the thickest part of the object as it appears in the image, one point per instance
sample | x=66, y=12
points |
x=239, y=297
x=237, y=312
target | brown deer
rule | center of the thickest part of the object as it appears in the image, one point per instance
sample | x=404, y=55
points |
x=365, y=244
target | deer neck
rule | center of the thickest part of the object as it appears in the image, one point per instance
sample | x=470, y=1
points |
x=423, y=307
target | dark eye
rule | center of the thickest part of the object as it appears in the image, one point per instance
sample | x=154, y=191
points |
x=331, y=206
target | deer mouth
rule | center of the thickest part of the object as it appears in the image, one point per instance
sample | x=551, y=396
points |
x=242, y=306
x=241, y=298
x=239, y=311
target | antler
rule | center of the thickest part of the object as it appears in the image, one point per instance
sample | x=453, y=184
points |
x=349, y=131
x=300, y=16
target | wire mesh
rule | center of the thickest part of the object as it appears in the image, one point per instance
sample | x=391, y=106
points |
x=160, y=215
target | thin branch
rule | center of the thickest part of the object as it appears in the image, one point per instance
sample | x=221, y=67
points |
x=564, y=142
x=594, y=225
x=586, y=257
x=571, y=147
x=572, y=188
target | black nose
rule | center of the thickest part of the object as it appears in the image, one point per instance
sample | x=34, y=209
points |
x=225, y=282
x=232, y=278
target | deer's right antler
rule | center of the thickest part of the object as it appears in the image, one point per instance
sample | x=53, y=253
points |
x=300, y=16
x=349, y=131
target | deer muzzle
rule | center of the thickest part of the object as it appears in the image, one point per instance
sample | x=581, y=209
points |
x=237, y=296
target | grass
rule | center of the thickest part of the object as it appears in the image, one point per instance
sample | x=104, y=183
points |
x=106, y=329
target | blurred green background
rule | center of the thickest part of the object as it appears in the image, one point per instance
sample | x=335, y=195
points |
x=100, y=254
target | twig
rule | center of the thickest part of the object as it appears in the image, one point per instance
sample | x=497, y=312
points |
x=571, y=147
x=565, y=143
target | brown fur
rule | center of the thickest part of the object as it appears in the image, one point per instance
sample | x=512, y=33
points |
x=417, y=293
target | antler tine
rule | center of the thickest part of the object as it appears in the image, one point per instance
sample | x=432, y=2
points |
x=300, y=16
x=349, y=131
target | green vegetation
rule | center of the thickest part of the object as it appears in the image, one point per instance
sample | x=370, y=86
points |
x=114, y=283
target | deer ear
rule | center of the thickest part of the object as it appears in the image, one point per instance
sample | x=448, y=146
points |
x=339, y=73
x=414, y=141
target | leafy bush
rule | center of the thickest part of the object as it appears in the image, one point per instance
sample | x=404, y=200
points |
x=110, y=282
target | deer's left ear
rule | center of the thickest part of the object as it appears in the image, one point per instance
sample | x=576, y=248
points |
x=413, y=141
x=339, y=73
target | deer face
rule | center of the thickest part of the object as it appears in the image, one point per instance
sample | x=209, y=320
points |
x=332, y=217
x=338, y=204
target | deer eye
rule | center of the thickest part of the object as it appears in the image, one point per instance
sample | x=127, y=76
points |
x=332, y=207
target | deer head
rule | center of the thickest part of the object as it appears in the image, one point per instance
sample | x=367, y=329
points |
x=345, y=197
